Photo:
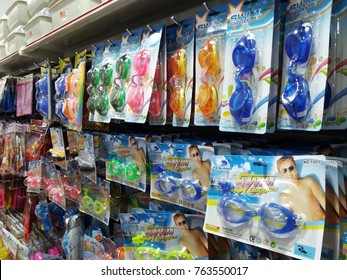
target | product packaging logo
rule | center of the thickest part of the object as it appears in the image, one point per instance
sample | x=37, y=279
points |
x=245, y=17
x=301, y=6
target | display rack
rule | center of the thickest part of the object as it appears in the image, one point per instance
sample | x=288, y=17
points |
x=106, y=21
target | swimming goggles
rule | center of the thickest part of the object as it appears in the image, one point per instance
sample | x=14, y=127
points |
x=241, y=100
x=105, y=78
x=167, y=184
x=8, y=104
x=32, y=181
x=60, y=87
x=105, y=74
x=73, y=87
x=117, y=97
x=41, y=212
x=118, y=168
x=53, y=253
x=86, y=162
x=209, y=63
x=150, y=253
x=177, y=101
x=135, y=97
x=53, y=190
x=58, y=213
x=155, y=103
x=298, y=45
x=275, y=218
x=93, y=79
x=70, y=108
x=72, y=187
x=89, y=202
x=41, y=95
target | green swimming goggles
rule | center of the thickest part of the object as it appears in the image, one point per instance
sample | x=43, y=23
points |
x=117, y=97
x=118, y=168
x=150, y=253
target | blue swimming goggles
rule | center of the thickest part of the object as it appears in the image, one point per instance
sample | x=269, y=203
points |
x=41, y=95
x=298, y=45
x=241, y=100
x=274, y=218
x=166, y=183
x=60, y=87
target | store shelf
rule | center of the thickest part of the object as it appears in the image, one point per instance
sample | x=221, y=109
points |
x=106, y=21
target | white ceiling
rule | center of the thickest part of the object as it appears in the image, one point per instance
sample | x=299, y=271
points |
x=4, y=5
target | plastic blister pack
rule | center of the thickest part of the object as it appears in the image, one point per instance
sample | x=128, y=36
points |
x=180, y=173
x=278, y=199
x=126, y=161
x=143, y=70
x=180, y=72
x=163, y=236
x=95, y=199
x=305, y=66
x=211, y=26
x=335, y=109
x=248, y=69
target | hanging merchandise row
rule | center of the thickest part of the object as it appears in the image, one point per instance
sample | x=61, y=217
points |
x=232, y=82
x=235, y=83
x=138, y=196
x=141, y=191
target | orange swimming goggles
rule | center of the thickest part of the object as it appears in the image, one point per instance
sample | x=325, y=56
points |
x=73, y=83
x=73, y=86
x=209, y=63
x=70, y=108
x=177, y=64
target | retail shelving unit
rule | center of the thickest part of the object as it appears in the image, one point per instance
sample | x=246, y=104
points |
x=106, y=21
